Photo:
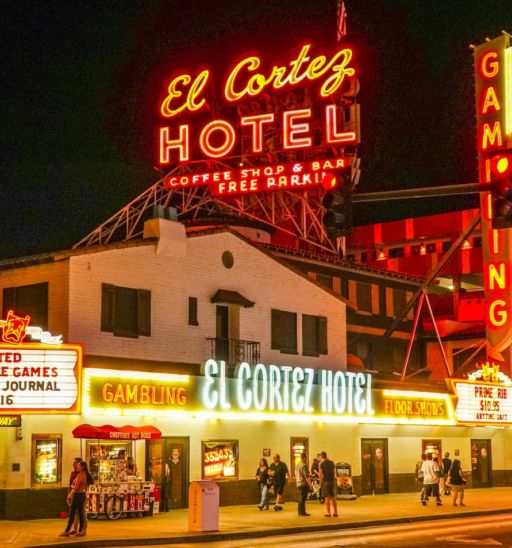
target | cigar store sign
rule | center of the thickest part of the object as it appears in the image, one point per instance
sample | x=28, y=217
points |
x=247, y=87
x=37, y=378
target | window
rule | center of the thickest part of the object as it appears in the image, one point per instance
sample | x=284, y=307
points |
x=28, y=299
x=284, y=331
x=314, y=335
x=324, y=280
x=431, y=247
x=220, y=459
x=415, y=249
x=351, y=257
x=46, y=460
x=446, y=245
x=399, y=300
x=192, y=311
x=364, y=257
x=364, y=297
x=395, y=252
x=477, y=242
x=125, y=312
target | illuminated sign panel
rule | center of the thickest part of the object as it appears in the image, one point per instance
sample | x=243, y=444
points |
x=36, y=378
x=110, y=391
x=297, y=175
x=261, y=392
x=252, y=79
x=493, y=85
x=485, y=398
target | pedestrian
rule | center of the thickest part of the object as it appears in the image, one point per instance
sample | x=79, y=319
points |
x=419, y=475
x=278, y=471
x=326, y=470
x=430, y=480
x=72, y=476
x=76, y=498
x=303, y=482
x=264, y=483
x=131, y=467
x=315, y=477
x=456, y=481
x=446, y=464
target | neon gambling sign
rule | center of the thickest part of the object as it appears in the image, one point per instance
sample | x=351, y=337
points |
x=493, y=73
x=218, y=138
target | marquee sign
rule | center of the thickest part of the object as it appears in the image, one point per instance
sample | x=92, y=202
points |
x=253, y=78
x=260, y=392
x=37, y=378
x=485, y=398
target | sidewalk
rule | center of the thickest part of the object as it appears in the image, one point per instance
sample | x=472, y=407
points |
x=248, y=522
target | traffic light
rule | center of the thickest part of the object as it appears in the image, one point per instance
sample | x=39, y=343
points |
x=337, y=201
x=501, y=189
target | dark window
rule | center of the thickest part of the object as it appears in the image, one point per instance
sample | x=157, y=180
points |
x=446, y=245
x=399, y=299
x=415, y=249
x=125, y=312
x=351, y=257
x=284, y=331
x=314, y=335
x=364, y=257
x=364, y=297
x=431, y=247
x=395, y=252
x=192, y=311
x=28, y=299
x=325, y=280
x=477, y=242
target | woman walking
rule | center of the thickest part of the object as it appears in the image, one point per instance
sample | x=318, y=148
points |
x=457, y=482
x=76, y=498
x=263, y=481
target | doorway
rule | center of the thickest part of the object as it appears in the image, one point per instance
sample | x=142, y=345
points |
x=168, y=466
x=481, y=463
x=374, y=466
x=222, y=333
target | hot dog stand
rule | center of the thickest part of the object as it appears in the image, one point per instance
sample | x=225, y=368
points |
x=117, y=490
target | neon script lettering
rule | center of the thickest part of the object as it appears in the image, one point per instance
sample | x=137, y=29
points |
x=248, y=79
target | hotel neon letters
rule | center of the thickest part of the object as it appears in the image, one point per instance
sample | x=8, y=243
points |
x=218, y=137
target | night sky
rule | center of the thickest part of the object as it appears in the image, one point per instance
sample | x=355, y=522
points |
x=82, y=81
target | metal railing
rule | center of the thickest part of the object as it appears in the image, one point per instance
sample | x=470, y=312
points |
x=234, y=351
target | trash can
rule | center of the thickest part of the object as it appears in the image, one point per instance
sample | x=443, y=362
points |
x=203, y=506
x=344, y=488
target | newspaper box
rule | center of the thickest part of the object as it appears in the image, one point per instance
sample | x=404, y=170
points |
x=203, y=506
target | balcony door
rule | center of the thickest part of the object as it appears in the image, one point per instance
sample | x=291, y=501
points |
x=222, y=332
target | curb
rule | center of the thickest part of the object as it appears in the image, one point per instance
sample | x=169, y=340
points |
x=216, y=537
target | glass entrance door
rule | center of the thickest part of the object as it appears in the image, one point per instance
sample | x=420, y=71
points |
x=481, y=463
x=374, y=466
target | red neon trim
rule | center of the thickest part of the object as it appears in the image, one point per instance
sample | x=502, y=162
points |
x=230, y=138
x=256, y=122
x=166, y=144
x=483, y=65
x=291, y=130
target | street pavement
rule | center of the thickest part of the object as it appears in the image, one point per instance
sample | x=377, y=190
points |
x=238, y=522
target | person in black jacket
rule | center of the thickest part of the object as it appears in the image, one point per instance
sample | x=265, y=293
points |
x=446, y=464
x=263, y=481
x=457, y=482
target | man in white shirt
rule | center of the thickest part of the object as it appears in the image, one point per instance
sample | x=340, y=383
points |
x=430, y=471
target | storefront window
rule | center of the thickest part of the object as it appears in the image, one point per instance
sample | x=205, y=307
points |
x=107, y=459
x=220, y=459
x=46, y=460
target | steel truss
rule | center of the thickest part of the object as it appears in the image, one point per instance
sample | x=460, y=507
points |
x=296, y=213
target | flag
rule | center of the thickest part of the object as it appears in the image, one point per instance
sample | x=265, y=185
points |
x=342, y=20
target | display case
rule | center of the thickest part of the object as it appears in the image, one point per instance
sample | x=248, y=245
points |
x=107, y=460
x=46, y=460
x=220, y=459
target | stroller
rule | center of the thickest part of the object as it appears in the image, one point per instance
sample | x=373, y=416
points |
x=316, y=493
